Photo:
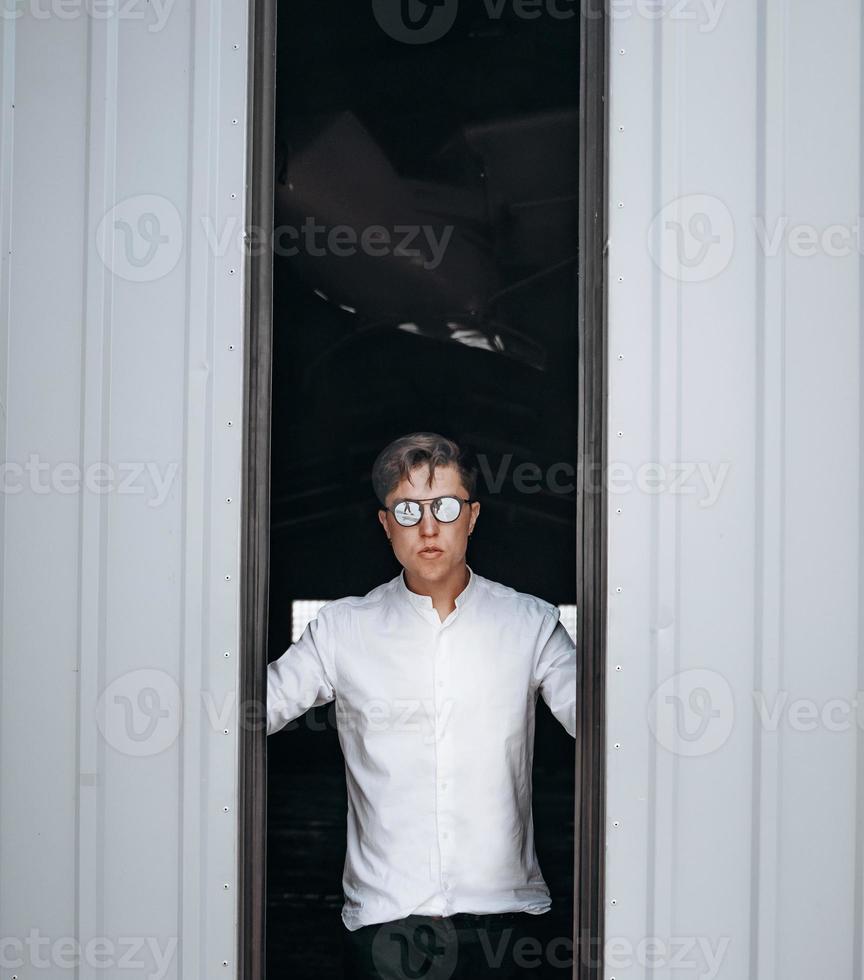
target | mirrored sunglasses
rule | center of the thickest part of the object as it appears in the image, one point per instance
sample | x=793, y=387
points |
x=444, y=509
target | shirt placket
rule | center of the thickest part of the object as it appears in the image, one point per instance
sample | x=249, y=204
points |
x=444, y=815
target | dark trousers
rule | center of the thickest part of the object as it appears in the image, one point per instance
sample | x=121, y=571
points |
x=459, y=947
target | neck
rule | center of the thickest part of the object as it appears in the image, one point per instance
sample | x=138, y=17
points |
x=443, y=592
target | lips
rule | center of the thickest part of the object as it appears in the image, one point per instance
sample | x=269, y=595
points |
x=430, y=552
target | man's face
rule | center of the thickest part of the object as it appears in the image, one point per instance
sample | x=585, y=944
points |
x=430, y=551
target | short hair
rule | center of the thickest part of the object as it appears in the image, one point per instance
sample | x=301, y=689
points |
x=398, y=460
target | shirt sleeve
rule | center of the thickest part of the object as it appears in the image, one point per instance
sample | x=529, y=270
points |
x=555, y=672
x=304, y=676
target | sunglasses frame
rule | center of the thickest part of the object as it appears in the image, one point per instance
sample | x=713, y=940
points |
x=429, y=501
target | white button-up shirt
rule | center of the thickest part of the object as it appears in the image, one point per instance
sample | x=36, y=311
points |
x=436, y=724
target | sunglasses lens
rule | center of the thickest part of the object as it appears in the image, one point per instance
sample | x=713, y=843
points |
x=447, y=509
x=407, y=512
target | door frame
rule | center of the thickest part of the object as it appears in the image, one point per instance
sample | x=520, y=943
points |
x=591, y=500
x=255, y=533
x=591, y=505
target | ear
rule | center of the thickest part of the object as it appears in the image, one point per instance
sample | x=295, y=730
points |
x=475, y=511
x=382, y=517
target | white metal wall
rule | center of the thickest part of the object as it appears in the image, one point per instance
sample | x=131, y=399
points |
x=122, y=186
x=734, y=749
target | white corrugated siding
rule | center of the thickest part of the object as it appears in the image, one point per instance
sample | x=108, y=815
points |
x=107, y=833
x=722, y=830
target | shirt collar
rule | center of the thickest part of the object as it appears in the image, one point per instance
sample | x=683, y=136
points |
x=424, y=602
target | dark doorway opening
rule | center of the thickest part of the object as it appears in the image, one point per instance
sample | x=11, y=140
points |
x=472, y=142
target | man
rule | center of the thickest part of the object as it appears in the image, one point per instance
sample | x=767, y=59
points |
x=435, y=674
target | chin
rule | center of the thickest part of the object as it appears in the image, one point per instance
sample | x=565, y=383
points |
x=429, y=570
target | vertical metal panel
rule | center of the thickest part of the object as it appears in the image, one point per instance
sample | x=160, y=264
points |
x=123, y=356
x=730, y=826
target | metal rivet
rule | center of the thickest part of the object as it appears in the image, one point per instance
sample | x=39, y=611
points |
x=233, y=197
x=620, y=433
x=233, y=122
x=617, y=745
x=230, y=347
x=230, y=272
x=227, y=578
x=620, y=204
x=236, y=47
x=619, y=589
x=620, y=278
x=224, y=962
x=618, y=510
x=224, y=809
x=226, y=886
x=227, y=653
x=618, y=666
x=226, y=731
x=620, y=357
x=616, y=823
x=227, y=500
x=622, y=51
x=620, y=129
x=230, y=423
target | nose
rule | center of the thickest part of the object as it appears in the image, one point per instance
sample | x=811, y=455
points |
x=428, y=525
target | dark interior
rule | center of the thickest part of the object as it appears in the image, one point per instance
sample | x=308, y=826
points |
x=472, y=140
